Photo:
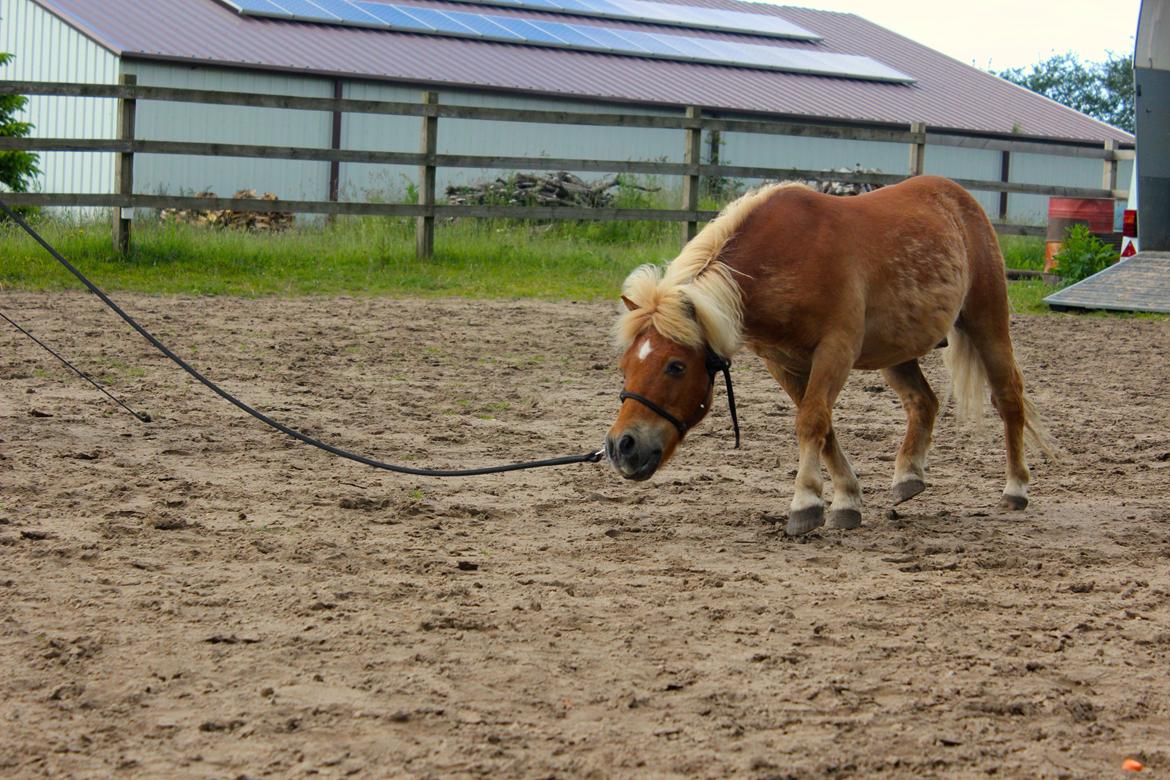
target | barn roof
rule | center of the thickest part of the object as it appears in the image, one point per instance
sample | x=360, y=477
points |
x=945, y=93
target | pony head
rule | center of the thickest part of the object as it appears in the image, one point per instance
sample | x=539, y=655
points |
x=674, y=326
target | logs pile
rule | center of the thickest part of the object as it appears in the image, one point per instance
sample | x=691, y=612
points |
x=537, y=189
x=274, y=221
x=830, y=187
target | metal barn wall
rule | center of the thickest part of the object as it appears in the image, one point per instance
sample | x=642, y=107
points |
x=475, y=137
x=1056, y=171
x=171, y=174
x=953, y=161
x=181, y=174
x=47, y=49
x=807, y=153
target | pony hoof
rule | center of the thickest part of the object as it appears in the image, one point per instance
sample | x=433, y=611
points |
x=844, y=519
x=907, y=489
x=1013, y=503
x=801, y=521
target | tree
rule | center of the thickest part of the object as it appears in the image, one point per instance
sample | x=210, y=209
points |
x=1103, y=90
x=17, y=169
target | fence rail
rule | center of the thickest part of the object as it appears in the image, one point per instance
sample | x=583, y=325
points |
x=692, y=123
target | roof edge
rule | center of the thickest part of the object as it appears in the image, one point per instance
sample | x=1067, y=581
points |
x=101, y=39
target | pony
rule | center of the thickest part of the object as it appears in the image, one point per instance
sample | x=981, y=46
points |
x=818, y=285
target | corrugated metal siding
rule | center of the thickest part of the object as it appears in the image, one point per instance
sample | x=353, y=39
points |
x=808, y=153
x=47, y=49
x=961, y=163
x=383, y=134
x=474, y=137
x=1057, y=172
x=180, y=174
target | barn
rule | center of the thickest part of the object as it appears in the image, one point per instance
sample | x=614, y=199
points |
x=732, y=59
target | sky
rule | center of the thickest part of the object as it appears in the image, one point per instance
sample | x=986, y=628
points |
x=1001, y=34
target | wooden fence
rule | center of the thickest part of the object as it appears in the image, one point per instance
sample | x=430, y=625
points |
x=429, y=111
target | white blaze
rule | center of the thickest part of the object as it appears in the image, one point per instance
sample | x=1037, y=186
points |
x=644, y=350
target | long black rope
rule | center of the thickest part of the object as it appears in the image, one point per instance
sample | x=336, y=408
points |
x=591, y=457
x=142, y=416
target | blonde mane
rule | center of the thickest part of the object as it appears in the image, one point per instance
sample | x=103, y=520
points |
x=695, y=300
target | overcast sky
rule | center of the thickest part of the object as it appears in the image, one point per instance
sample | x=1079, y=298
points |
x=999, y=34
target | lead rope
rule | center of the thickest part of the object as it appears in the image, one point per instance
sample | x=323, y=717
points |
x=591, y=457
x=142, y=416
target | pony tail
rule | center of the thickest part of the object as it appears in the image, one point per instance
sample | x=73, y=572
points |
x=1036, y=433
x=968, y=378
x=969, y=387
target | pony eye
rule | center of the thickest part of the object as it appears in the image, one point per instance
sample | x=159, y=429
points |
x=676, y=368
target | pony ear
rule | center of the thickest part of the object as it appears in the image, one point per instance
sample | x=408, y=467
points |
x=630, y=304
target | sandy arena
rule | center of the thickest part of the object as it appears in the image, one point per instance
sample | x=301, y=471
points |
x=201, y=597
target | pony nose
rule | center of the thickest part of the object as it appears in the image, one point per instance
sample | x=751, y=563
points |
x=626, y=445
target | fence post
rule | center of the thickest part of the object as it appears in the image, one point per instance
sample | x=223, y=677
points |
x=124, y=167
x=335, y=145
x=714, y=183
x=692, y=157
x=1005, y=175
x=918, y=149
x=424, y=229
x=1109, y=174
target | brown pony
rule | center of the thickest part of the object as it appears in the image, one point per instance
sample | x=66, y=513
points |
x=818, y=285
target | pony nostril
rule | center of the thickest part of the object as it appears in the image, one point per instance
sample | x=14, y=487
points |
x=626, y=444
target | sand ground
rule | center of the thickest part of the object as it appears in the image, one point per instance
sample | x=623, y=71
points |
x=202, y=598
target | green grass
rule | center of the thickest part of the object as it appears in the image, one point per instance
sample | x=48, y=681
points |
x=352, y=256
x=1023, y=252
x=1026, y=297
x=375, y=256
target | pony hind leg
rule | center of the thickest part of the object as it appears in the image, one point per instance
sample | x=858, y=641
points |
x=807, y=511
x=993, y=348
x=921, y=406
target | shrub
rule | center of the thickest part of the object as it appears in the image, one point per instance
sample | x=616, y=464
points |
x=1083, y=255
x=17, y=169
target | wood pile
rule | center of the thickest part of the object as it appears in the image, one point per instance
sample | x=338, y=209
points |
x=538, y=189
x=831, y=187
x=274, y=221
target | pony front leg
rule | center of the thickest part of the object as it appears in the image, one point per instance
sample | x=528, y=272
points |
x=807, y=510
x=814, y=433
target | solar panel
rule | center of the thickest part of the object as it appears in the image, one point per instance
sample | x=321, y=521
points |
x=667, y=14
x=618, y=41
x=660, y=44
x=303, y=8
x=527, y=31
x=572, y=35
x=359, y=12
x=346, y=11
x=603, y=7
x=483, y=25
x=395, y=18
x=574, y=7
x=438, y=20
x=257, y=8
x=581, y=37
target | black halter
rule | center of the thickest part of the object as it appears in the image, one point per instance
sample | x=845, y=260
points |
x=715, y=364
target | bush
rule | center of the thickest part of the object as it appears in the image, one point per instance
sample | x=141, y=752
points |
x=1083, y=255
x=17, y=169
